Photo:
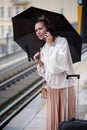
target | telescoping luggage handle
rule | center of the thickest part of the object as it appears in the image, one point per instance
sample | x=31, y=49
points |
x=73, y=75
x=77, y=92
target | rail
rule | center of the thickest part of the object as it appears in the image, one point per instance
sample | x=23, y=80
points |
x=16, y=77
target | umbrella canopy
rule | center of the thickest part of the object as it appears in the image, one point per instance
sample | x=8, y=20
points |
x=24, y=31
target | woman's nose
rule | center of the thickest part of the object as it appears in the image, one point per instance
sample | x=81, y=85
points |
x=38, y=31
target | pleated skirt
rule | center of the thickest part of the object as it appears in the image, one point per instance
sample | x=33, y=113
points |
x=56, y=106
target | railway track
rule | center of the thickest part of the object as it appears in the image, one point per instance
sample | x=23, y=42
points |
x=31, y=84
x=17, y=105
x=17, y=77
x=14, y=70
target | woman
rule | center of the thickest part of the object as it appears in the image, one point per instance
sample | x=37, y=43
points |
x=53, y=64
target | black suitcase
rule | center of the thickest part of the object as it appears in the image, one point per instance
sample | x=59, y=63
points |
x=73, y=124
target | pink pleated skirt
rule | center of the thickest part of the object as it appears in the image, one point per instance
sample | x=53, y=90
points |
x=56, y=106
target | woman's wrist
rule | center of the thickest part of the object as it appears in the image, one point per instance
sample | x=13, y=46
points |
x=40, y=63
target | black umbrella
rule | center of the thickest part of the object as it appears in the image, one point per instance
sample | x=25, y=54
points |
x=24, y=33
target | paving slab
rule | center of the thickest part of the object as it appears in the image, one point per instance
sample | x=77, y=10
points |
x=83, y=96
x=39, y=122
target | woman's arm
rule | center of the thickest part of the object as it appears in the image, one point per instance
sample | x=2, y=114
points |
x=40, y=64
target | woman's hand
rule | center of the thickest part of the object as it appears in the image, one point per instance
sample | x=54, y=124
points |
x=49, y=38
x=37, y=59
x=37, y=56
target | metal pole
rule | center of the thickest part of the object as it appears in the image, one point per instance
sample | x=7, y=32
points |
x=7, y=38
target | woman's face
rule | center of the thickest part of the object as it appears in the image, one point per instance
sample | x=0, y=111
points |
x=40, y=30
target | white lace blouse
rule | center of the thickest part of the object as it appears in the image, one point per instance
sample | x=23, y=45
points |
x=57, y=63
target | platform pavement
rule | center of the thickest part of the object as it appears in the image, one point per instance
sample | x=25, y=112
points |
x=39, y=122
x=32, y=116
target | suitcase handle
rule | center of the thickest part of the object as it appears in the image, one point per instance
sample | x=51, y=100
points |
x=73, y=75
x=77, y=109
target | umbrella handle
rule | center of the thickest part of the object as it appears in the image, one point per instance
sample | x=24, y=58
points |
x=27, y=50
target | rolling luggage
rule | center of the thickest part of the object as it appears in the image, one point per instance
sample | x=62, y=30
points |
x=73, y=124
